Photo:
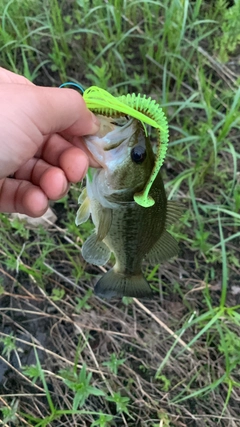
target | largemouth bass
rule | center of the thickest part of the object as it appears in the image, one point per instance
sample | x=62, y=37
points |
x=123, y=227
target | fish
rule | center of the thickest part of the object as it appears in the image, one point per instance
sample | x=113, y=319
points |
x=123, y=227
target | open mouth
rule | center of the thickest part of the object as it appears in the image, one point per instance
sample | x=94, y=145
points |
x=113, y=137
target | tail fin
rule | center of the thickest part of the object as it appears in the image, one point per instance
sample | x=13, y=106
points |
x=114, y=284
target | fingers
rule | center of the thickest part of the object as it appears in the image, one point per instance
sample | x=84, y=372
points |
x=22, y=197
x=74, y=163
x=50, y=179
x=71, y=166
x=78, y=142
x=59, y=152
x=54, y=183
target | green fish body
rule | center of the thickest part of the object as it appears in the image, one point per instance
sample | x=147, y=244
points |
x=123, y=227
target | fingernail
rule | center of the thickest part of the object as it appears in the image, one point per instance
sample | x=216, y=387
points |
x=65, y=188
x=96, y=122
x=84, y=173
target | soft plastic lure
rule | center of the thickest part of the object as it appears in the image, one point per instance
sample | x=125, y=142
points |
x=141, y=108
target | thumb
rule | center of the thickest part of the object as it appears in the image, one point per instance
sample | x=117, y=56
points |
x=65, y=109
x=53, y=109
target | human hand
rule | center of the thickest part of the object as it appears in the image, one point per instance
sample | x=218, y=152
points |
x=40, y=144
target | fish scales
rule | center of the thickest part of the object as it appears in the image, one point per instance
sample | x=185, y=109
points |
x=136, y=230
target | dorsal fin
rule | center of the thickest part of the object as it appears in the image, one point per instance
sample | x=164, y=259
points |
x=174, y=211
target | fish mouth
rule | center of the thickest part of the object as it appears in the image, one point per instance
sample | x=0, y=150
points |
x=113, y=139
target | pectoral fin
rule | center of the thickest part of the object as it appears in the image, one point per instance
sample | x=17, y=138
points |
x=105, y=220
x=174, y=211
x=83, y=212
x=166, y=247
x=95, y=252
x=82, y=196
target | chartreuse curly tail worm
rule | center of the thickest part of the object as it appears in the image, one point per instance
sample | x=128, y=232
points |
x=141, y=108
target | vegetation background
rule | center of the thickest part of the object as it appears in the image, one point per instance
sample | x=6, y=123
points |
x=67, y=357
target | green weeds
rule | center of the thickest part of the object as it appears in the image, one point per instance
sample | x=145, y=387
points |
x=80, y=384
x=114, y=363
x=9, y=345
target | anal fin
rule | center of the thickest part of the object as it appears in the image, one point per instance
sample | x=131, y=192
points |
x=165, y=248
x=95, y=252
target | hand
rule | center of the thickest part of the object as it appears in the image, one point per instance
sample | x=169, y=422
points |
x=40, y=143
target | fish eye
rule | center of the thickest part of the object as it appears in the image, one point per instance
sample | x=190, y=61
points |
x=138, y=154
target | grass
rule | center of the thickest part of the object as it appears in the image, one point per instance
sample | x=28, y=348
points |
x=67, y=357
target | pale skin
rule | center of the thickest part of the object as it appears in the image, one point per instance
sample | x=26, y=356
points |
x=41, y=149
